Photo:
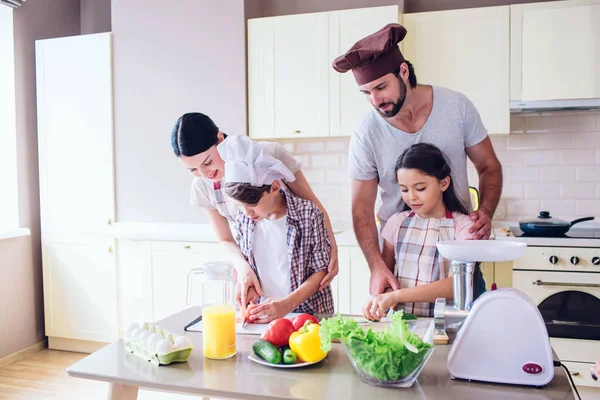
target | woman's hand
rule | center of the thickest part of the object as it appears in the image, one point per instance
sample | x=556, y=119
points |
x=247, y=289
x=333, y=268
x=377, y=306
x=269, y=310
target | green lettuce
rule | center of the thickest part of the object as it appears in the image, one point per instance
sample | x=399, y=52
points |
x=386, y=355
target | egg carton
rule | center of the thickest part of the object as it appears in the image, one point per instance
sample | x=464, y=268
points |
x=157, y=345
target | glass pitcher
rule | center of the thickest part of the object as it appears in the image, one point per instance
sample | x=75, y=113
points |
x=218, y=308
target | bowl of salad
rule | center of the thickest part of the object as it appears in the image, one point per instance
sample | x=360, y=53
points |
x=393, y=357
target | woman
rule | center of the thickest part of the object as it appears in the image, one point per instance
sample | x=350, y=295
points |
x=194, y=140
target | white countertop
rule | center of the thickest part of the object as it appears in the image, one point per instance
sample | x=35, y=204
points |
x=192, y=233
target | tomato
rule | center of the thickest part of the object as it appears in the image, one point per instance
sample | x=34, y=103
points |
x=246, y=314
x=299, y=320
x=278, y=332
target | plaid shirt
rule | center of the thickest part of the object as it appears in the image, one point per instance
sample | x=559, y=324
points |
x=308, y=245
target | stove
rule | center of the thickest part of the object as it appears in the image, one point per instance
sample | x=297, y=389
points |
x=574, y=233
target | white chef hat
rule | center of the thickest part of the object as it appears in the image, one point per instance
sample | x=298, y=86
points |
x=247, y=162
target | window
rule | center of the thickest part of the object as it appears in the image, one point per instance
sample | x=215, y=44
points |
x=9, y=206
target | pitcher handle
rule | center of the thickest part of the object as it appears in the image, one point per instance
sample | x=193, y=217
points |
x=195, y=271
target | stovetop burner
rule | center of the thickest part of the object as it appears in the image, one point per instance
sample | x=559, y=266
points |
x=571, y=234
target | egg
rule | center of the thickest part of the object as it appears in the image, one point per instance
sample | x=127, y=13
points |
x=135, y=335
x=164, y=346
x=182, y=342
x=144, y=336
x=130, y=330
x=153, y=340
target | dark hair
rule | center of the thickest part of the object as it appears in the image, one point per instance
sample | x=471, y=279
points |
x=246, y=193
x=431, y=161
x=412, y=78
x=193, y=134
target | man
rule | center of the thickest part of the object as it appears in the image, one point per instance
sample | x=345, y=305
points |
x=406, y=113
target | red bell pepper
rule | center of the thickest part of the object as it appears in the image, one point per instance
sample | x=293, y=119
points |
x=299, y=320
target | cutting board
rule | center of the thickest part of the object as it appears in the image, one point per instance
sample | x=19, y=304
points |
x=250, y=329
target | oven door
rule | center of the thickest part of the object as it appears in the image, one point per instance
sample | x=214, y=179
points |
x=570, y=305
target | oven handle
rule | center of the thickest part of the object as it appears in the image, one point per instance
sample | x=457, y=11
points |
x=589, y=285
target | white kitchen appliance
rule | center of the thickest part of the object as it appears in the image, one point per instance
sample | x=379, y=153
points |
x=503, y=338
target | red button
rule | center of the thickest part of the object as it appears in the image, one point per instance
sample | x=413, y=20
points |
x=533, y=369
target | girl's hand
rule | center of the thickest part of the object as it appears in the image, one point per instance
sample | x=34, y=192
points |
x=377, y=306
x=243, y=293
x=269, y=310
x=596, y=370
x=333, y=268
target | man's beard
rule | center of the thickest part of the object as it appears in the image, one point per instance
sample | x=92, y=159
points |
x=396, y=106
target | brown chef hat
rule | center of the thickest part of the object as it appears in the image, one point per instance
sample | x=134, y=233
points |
x=373, y=56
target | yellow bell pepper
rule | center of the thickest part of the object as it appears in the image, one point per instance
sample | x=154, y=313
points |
x=306, y=343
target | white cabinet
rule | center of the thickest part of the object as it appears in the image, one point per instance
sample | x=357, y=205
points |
x=555, y=50
x=80, y=287
x=74, y=107
x=467, y=51
x=293, y=90
x=353, y=280
x=348, y=105
x=287, y=81
x=75, y=134
x=171, y=264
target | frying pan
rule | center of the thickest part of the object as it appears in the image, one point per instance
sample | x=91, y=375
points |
x=545, y=225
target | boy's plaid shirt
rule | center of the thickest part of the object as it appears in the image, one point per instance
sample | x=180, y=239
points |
x=308, y=245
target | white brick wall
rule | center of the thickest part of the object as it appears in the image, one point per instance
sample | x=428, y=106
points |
x=551, y=161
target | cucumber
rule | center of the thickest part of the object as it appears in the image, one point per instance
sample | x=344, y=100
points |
x=267, y=351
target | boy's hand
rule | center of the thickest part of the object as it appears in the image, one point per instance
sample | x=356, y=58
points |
x=243, y=293
x=377, y=306
x=332, y=269
x=269, y=310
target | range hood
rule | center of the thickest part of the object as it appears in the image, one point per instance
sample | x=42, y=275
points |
x=554, y=105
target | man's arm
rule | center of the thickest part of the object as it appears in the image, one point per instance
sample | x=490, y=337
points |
x=364, y=194
x=489, y=171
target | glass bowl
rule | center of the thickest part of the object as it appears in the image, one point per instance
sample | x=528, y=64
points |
x=355, y=348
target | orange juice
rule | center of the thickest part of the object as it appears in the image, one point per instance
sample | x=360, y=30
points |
x=218, y=336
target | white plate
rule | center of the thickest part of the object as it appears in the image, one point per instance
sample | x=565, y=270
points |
x=481, y=250
x=259, y=360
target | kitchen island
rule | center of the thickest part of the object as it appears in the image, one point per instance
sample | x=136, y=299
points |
x=240, y=378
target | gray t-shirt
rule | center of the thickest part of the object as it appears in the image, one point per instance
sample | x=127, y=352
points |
x=453, y=125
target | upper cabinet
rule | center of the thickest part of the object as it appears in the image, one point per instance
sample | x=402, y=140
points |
x=555, y=50
x=467, y=51
x=292, y=89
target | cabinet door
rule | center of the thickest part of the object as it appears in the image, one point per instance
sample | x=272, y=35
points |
x=80, y=287
x=343, y=281
x=467, y=51
x=171, y=263
x=554, y=50
x=360, y=277
x=287, y=78
x=503, y=274
x=346, y=28
x=74, y=107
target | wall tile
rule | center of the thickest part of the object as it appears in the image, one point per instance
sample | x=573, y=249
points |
x=578, y=123
x=523, y=142
x=325, y=161
x=562, y=141
x=303, y=159
x=558, y=174
x=577, y=157
x=540, y=158
x=513, y=190
x=577, y=190
x=588, y=174
x=542, y=124
x=326, y=192
x=517, y=124
x=337, y=176
x=337, y=145
x=541, y=190
x=598, y=157
x=558, y=208
x=314, y=175
x=522, y=174
x=510, y=158
x=499, y=141
x=309, y=146
x=522, y=207
x=289, y=146
x=587, y=208
x=597, y=191
x=588, y=140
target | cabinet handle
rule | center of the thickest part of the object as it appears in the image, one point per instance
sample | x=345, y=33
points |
x=187, y=247
x=297, y=131
x=109, y=221
x=110, y=250
x=586, y=285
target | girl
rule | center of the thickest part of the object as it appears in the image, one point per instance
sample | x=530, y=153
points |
x=194, y=139
x=433, y=212
x=282, y=237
